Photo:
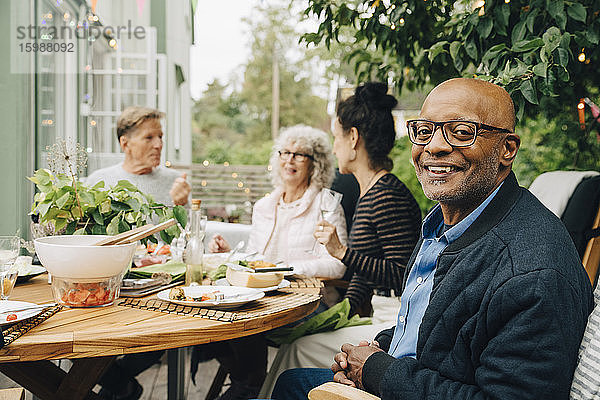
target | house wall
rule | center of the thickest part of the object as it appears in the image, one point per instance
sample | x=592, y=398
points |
x=16, y=134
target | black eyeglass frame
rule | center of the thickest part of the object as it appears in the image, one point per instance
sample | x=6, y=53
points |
x=294, y=155
x=478, y=126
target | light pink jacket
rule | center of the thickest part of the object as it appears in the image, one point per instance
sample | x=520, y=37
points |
x=299, y=235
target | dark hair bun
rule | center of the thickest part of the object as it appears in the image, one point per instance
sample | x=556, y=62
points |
x=374, y=95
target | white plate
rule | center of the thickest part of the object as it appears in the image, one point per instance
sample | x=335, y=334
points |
x=242, y=296
x=32, y=271
x=284, y=283
x=7, y=305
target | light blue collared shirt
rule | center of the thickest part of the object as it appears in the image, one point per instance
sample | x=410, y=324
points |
x=415, y=297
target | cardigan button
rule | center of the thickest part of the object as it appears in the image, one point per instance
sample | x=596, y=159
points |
x=419, y=280
x=401, y=319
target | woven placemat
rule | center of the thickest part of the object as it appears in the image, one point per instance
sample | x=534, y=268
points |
x=265, y=306
x=302, y=282
x=15, y=331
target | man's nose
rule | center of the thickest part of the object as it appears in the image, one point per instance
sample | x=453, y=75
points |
x=438, y=143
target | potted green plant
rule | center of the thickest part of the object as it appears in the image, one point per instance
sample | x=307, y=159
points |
x=65, y=205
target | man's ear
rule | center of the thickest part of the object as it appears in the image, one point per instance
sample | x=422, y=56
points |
x=123, y=142
x=512, y=142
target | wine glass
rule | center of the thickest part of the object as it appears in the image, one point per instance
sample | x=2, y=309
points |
x=330, y=199
x=9, y=250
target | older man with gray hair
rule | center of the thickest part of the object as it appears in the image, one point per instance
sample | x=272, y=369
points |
x=141, y=138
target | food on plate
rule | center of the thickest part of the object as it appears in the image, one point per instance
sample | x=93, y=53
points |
x=253, y=280
x=11, y=317
x=217, y=273
x=87, y=294
x=165, y=250
x=179, y=294
x=260, y=264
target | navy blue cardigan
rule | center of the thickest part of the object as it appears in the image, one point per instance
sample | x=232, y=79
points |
x=507, y=312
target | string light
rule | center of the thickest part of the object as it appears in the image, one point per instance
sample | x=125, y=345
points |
x=226, y=164
x=113, y=43
x=206, y=163
x=581, y=56
x=234, y=175
x=168, y=164
x=507, y=1
x=240, y=184
x=270, y=168
x=393, y=27
x=247, y=190
x=203, y=183
x=92, y=123
x=401, y=22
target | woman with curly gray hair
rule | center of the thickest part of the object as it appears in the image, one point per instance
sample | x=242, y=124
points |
x=284, y=221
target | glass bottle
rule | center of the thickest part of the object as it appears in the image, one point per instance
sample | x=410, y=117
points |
x=194, y=249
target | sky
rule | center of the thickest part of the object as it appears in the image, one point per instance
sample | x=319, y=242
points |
x=222, y=45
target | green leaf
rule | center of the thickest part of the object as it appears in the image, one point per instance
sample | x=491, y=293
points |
x=43, y=176
x=124, y=184
x=98, y=218
x=119, y=206
x=71, y=227
x=555, y=8
x=87, y=198
x=123, y=226
x=43, y=208
x=563, y=74
x=528, y=91
x=471, y=48
x=591, y=35
x=180, y=215
x=436, y=49
x=63, y=180
x=105, y=206
x=551, y=38
x=563, y=57
x=530, y=20
x=80, y=231
x=98, y=230
x=541, y=69
x=99, y=185
x=59, y=223
x=113, y=227
x=526, y=45
x=577, y=12
x=518, y=33
x=133, y=204
x=130, y=217
x=60, y=203
x=485, y=27
x=503, y=14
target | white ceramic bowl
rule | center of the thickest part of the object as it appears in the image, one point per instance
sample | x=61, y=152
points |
x=75, y=257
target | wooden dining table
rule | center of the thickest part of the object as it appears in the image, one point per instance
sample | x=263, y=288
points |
x=93, y=337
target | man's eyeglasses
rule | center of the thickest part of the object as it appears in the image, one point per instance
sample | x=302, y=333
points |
x=288, y=155
x=458, y=133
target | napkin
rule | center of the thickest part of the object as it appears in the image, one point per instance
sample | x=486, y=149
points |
x=332, y=319
x=174, y=268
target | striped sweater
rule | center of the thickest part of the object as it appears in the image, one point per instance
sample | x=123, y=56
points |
x=385, y=229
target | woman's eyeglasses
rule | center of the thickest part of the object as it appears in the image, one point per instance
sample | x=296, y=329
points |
x=288, y=155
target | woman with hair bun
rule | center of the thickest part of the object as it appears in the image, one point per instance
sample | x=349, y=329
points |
x=385, y=228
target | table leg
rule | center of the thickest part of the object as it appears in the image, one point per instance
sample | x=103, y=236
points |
x=175, y=377
x=48, y=381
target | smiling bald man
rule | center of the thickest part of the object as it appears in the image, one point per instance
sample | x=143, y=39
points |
x=496, y=299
